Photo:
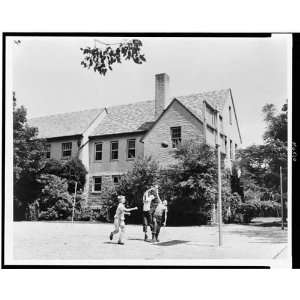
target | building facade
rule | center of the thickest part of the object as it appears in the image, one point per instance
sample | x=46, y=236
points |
x=109, y=140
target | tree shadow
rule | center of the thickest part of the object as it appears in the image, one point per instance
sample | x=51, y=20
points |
x=264, y=236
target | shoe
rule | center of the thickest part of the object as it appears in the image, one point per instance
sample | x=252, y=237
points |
x=111, y=236
x=120, y=243
x=157, y=240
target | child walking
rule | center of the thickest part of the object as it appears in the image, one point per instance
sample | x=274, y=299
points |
x=119, y=219
x=159, y=219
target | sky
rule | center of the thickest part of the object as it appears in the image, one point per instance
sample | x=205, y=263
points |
x=48, y=77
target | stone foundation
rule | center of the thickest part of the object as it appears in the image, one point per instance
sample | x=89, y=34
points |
x=94, y=199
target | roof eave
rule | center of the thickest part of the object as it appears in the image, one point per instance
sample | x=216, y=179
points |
x=91, y=137
x=73, y=136
x=237, y=123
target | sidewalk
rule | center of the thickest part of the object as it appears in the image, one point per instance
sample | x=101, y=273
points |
x=46, y=240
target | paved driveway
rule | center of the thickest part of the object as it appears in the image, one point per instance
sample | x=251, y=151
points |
x=62, y=240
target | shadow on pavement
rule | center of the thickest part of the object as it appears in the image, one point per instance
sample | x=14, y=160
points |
x=171, y=243
x=271, y=224
x=263, y=236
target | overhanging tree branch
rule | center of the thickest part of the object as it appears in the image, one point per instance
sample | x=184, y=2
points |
x=101, y=60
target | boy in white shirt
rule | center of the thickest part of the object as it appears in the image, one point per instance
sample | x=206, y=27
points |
x=119, y=219
x=147, y=221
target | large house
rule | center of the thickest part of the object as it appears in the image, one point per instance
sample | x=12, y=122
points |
x=109, y=139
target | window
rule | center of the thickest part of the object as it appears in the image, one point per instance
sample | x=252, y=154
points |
x=66, y=149
x=114, y=153
x=131, y=148
x=175, y=136
x=230, y=116
x=231, y=154
x=116, y=179
x=211, y=116
x=221, y=123
x=97, y=184
x=98, y=151
x=48, y=151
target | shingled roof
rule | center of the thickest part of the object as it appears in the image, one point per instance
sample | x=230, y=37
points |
x=67, y=124
x=126, y=118
x=193, y=102
x=134, y=117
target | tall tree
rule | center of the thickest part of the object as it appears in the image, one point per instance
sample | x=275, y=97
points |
x=28, y=158
x=261, y=163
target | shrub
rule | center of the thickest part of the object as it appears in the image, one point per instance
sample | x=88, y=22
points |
x=109, y=203
x=230, y=206
x=84, y=214
x=247, y=211
x=55, y=203
x=269, y=209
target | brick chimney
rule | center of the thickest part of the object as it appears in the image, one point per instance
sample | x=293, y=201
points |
x=161, y=92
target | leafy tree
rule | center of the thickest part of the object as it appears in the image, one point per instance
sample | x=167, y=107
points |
x=261, y=163
x=74, y=171
x=53, y=166
x=276, y=123
x=134, y=183
x=190, y=185
x=28, y=158
x=102, y=59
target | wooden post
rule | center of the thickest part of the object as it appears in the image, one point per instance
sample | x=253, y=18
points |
x=282, y=204
x=218, y=144
x=74, y=202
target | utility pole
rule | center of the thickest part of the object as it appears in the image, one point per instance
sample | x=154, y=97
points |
x=74, y=202
x=218, y=144
x=281, y=195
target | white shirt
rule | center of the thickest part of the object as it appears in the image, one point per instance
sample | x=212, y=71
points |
x=120, y=212
x=147, y=202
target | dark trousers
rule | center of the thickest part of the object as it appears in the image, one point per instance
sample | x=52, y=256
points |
x=147, y=221
x=157, y=223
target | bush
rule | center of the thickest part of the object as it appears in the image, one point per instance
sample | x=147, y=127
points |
x=55, y=203
x=245, y=212
x=84, y=214
x=230, y=206
x=109, y=201
x=269, y=209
